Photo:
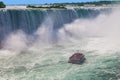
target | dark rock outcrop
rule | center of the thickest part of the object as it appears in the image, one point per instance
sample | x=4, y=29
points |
x=1, y=45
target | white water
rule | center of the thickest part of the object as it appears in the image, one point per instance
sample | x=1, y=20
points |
x=35, y=57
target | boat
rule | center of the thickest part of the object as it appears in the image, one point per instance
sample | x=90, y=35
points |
x=77, y=58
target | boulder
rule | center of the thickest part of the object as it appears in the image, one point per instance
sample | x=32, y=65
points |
x=77, y=58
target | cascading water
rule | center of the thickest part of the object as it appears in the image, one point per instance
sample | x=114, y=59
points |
x=30, y=20
x=37, y=44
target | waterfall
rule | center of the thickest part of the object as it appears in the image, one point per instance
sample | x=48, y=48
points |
x=29, y=20
x=28, y=51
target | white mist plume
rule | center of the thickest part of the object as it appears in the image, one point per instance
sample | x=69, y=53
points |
x=16, y=41
x=44, y=33
x=19, y=41
x=106, y=28
x=103, y=25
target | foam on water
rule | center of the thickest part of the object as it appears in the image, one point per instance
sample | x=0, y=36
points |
x=39, y=57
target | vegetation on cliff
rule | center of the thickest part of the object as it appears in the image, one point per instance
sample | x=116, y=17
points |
x=2, y=5
x=96, y=3
x=63, y=5
x=48, y=7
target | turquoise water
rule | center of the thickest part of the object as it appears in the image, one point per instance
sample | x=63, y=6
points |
x=51, y=63
x=37, y=44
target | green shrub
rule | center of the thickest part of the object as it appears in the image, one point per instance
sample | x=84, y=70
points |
x=48, y=7
x=2, y=5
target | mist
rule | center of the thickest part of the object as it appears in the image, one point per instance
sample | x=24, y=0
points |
x=105, y=27
x=103, y=32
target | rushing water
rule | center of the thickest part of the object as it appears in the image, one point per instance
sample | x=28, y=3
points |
x=38, y=43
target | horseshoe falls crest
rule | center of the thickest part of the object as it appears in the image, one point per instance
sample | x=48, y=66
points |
x=36, y=44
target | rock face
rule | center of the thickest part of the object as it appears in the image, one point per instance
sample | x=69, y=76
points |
x=77, y=58
x=1, y=44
